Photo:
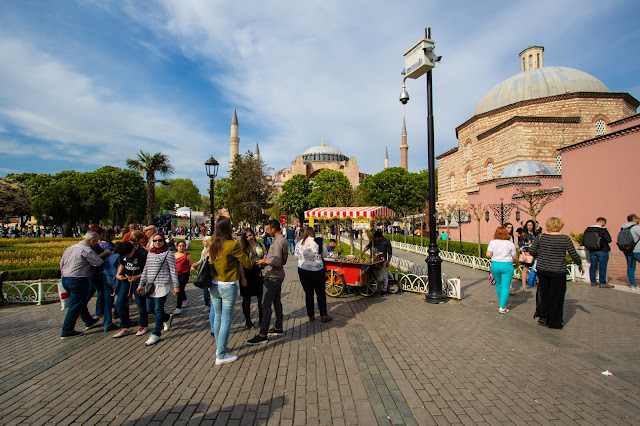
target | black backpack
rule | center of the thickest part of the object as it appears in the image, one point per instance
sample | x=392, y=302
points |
x=592, y=241
x=625, y=242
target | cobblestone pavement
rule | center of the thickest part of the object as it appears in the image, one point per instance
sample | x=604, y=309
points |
x=383, y=360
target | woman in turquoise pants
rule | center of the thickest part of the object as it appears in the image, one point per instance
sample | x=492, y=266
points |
x=502, y=252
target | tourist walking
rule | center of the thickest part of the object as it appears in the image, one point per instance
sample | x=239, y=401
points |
x=525, y=240
x=160, y=269
x=596, y=240
x=132, y=261
x=509, y=227
x=502, y=252
x=310, y=252
x=183, y=269
x=76, y=266
x=632, y=231
x=251, y=282
x=96, y=284
x=149, y=231
x=273, y=274
x=550, y=250
x=225, y=257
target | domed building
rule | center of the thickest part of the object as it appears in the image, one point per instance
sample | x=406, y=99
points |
x=528, y=117
x=321, y=157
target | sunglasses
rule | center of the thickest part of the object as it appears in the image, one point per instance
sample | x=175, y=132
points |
x=158, y=241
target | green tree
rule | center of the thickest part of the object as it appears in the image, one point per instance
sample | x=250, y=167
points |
x=249, y=189
x=181, y=191
x=220, y=195
x=14, y=198
x=324, y=185
x=124, y=191
x=295, y=196
x=148, y=164
x=397, y=189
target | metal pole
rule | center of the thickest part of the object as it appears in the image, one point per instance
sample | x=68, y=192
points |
x=434, y=262
x=213, y=216
x=501, y=213
x=460, y=228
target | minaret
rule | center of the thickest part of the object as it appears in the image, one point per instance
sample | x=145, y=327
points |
x=386, y=157
x=256, y=153
x=234, y=140
x=404, y=147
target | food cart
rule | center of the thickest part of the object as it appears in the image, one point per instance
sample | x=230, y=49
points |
x=343, y=272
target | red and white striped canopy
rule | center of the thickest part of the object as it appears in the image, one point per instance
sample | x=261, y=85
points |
x=349, y=212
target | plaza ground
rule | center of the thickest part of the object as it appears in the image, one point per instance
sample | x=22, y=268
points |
x=383, y=360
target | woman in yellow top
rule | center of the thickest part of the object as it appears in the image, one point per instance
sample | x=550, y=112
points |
x=225, y=257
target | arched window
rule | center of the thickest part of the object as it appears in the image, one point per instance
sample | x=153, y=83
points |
x=453, y=183
x=559, y=163
x=599, y=127
x=538, y=65
x=530, y=61
x=468, y=178
x=469, y=151
x=490, y=171
x=523, y=69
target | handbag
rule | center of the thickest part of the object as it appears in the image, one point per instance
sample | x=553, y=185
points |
x=203, y=280
x=150, y=286
x=525, y=257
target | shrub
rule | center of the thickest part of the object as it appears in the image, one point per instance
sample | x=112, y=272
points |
x=469, y=249
x=33, y=274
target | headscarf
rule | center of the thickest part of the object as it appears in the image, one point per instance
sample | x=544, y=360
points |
x=164, y=247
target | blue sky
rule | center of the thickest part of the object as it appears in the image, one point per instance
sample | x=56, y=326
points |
x=88, y=83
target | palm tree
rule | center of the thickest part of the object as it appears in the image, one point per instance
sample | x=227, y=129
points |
x=150, y=164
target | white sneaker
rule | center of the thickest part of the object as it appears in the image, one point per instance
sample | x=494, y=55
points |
x=142, y=331
x=123, y=332
x=503, y=310
x=177, y=311
x=167, y=324
x=206, y=310
x=184, y=304
x=227, y=359
x=152, y=340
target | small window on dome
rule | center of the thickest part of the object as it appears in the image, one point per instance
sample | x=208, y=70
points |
x=490, y=171
x=468, y=178
x=600, y=127
x=530, y=61
x=453, y=183
x=559, y=164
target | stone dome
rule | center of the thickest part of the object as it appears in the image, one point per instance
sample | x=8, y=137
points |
x=324, y=152
x=528, y=168
x=539, y=83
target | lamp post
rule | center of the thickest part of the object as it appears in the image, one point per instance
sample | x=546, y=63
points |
x=212, y=171
x=418, y=60
x=459, y=219
x=502, y=211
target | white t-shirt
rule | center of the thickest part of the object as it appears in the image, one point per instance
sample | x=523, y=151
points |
x=503, y=250
x=308, y=256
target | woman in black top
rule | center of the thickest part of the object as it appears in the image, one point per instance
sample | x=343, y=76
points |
x=550, y=250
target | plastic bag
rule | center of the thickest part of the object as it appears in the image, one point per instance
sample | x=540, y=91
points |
x=64, y=297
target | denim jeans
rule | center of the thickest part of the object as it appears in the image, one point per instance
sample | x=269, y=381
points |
x=183, y=279
x=292, y=245
x=77, y=289
x=108, y=285
x=271, y=296
x=503, y=273
x=223, y=299
x=632, y=259
x=314, y=281
x=156, y=304
x=122, y=304
x=599, y=261
x=95, y=286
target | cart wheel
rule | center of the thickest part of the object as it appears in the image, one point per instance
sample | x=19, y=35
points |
x=334, y=284
x=371, y=286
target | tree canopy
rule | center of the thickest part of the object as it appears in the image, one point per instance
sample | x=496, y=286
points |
x=397, y=189
x=324, y=185
x=179, y=191
x=294, y=198
x=249, y=189
x=148, y=164
x=14, y=198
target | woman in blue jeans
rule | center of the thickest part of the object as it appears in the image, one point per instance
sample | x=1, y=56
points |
x=225, y=257
x=502, y=252
x=160, y=269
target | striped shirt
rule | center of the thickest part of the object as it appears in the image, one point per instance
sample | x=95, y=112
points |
x=161, y=269
x=78, y=261
x=550, y=250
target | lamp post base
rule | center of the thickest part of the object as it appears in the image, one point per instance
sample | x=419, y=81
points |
x=434, y=270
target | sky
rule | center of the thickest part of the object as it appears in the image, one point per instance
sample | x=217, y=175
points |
x=89, y=83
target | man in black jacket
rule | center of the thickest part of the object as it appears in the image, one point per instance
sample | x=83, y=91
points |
x=597, y=241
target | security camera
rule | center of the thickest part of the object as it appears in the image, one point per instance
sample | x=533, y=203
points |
x=404, y=99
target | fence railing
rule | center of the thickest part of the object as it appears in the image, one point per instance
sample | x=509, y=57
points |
x=38, y=291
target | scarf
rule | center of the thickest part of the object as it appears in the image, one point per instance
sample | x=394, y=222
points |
x=164, y=247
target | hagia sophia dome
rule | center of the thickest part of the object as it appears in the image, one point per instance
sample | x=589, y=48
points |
x=539, y=83
x=324, y=152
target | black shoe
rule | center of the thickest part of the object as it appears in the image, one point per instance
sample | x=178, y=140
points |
x=594, y=284
x=257, y=339
x=112, y=327
x=72, y=334
x=249, y=325
x=542, y=321
x=93, y=324
x=275, y=332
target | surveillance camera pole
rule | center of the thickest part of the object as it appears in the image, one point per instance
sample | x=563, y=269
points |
x=434, y=261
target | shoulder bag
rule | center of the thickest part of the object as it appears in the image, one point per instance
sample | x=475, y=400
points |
x=203, y=280
x=150, y=286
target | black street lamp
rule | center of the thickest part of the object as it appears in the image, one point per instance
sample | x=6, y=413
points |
x=459, y=217
x=212, y=171
x=418, y=60
x=502, y=212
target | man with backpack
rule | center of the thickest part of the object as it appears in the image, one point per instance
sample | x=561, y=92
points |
x=596, y=240
x=628, y=239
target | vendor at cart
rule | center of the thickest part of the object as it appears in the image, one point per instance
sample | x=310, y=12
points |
x=381, y=246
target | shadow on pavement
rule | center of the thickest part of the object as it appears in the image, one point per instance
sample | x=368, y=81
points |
x=571, y=306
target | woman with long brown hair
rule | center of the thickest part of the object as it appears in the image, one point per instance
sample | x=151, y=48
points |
x=225, y=258
x=310, y=252
x=251, y=279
